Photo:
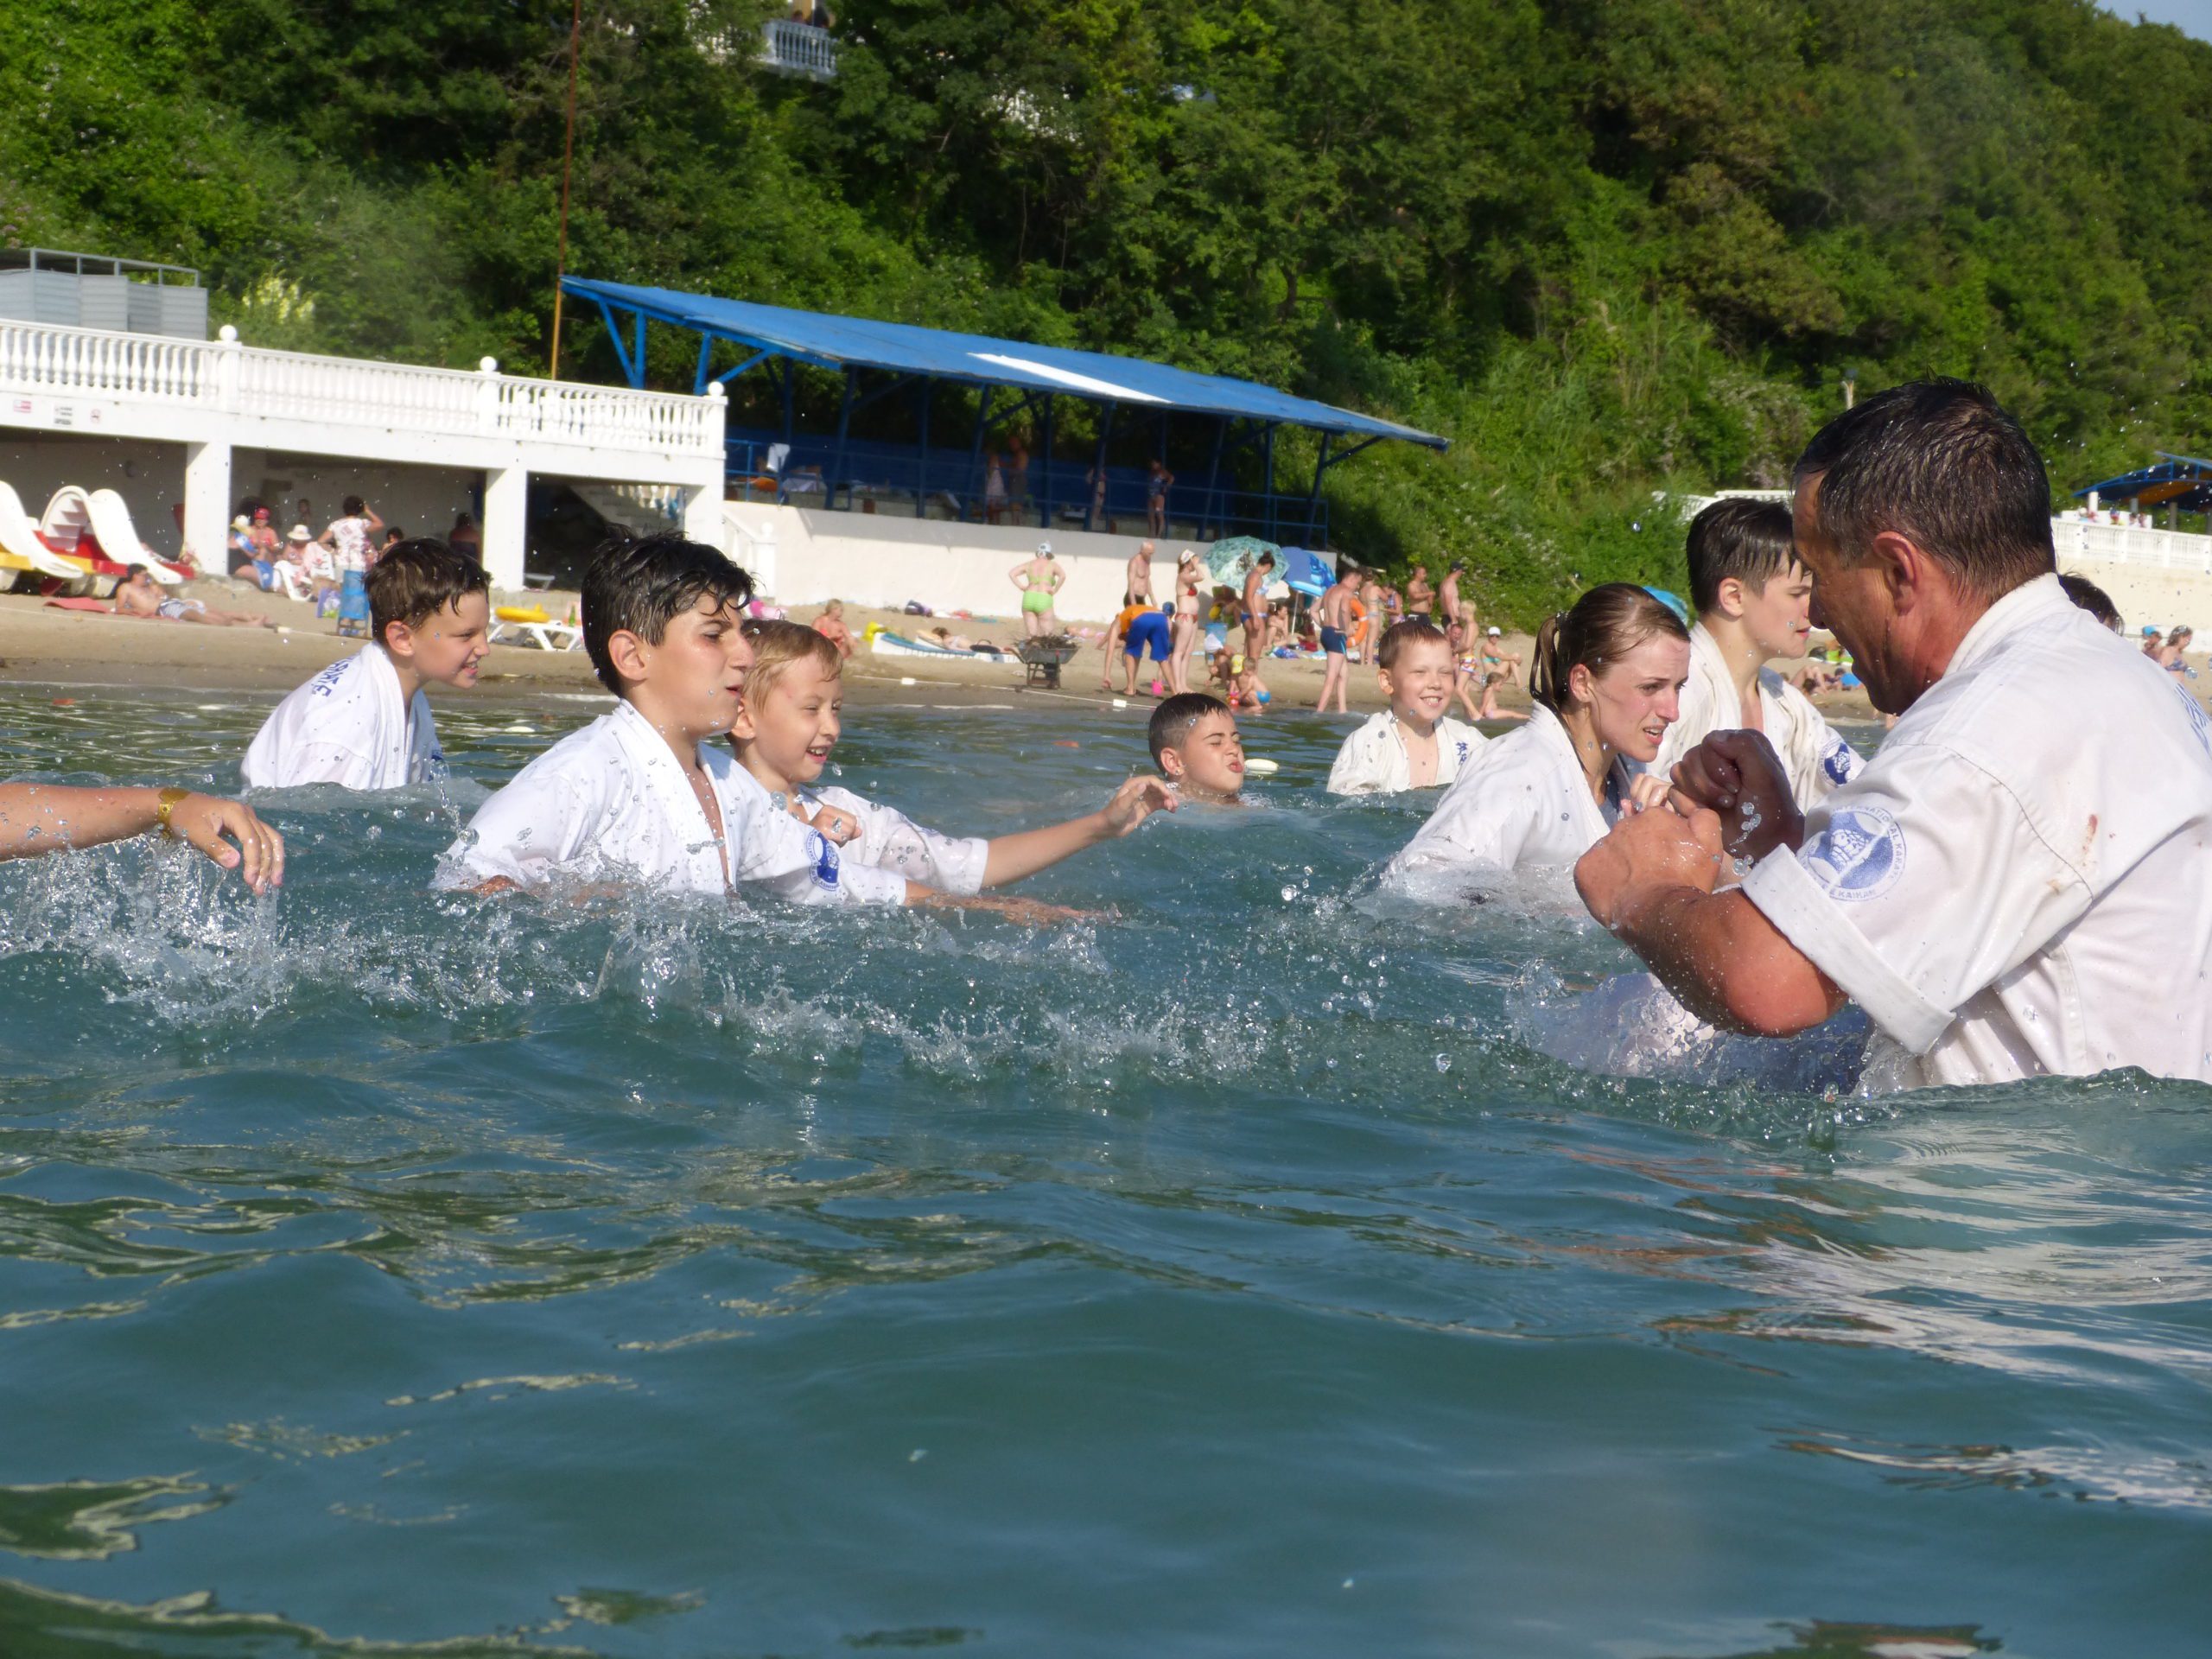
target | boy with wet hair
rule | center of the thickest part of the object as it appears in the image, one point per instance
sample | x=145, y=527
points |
x=365, y=722
x=786, y=729
x=1413, y=744
x=1197, y=747
x=1753, y=599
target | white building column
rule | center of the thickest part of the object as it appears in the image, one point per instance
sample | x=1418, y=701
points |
x=207, y=504
x=506, y=502
x=703, y=503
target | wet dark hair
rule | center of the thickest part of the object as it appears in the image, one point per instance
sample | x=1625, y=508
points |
x=1941, y=461
x=353, y=507
x=1399, y=635
x=2092, y=599
x=1747, y=539
x=1173, y=721
x=393, y=534
x=1606, y=623
x=414, y=581
x=640, y=587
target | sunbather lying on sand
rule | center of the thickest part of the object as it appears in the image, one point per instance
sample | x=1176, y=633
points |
x=137, y=596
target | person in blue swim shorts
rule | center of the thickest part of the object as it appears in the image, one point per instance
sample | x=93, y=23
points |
x=1147, y=632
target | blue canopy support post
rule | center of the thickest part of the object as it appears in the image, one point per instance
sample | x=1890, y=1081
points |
x=972, y=490
x=790, y=420
x=1313, y=496
x=1045, y=473
x=1269, y=442
x=1213, y=480
x=634, y=371
x=837, y=456
x=638, y=349
x=706, y=362
x=922, y=455
x=1091, y=511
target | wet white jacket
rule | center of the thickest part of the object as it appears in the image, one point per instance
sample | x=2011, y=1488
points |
x=610, y=803
x=889, y=840
x=348, y=725
x=2020, y=881
x=1522, y=804
x=1374, y=761
x=1814, y=754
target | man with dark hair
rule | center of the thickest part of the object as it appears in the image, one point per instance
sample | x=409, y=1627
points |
x=1986, y=888
x=1753, y=599
x=365, y=722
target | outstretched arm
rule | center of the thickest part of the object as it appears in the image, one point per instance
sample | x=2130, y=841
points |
x=1016, y=857
x=38, y=818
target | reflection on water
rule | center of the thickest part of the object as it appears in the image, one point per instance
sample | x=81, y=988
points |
x=1240, y=1272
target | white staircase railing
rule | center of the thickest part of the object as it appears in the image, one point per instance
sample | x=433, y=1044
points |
x=798, y=48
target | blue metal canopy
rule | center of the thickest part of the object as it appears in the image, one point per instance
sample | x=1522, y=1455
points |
x=2183, y=481
x=834, y=342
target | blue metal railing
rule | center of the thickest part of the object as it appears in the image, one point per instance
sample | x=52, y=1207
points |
x=906, y=480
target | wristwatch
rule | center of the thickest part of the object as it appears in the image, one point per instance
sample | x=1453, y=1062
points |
x=169, y=798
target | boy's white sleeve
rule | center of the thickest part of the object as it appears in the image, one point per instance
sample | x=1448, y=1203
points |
x=770, y=848
x=1354, y=770
x=889, y=840
x=1918, y=886
x=529, y=833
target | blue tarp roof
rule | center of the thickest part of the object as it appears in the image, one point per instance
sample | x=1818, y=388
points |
x=2182, y=480
x=839, y=342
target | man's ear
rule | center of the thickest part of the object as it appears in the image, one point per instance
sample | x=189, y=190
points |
x=627, y=652
x=1908, y=572
x=1728, y=597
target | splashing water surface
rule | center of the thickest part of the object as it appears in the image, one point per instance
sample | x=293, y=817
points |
x=1232, y=1273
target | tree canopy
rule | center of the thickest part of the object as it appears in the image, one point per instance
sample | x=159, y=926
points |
x=1609, y=248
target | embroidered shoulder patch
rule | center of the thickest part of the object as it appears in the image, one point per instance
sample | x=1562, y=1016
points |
x=1858, y=855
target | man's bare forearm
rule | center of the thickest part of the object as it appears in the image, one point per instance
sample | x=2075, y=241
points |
x=1726, y=963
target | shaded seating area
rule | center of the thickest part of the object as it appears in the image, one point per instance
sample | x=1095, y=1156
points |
x=935, y=424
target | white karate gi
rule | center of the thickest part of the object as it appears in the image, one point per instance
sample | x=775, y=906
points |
x=610, y=803
x=347, y=726
x=1522, y=803
x=2020, y=882
x=1814, y=754
x=889, y=840
x=1373, y=759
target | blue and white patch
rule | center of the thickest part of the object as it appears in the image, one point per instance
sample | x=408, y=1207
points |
x=825, y=859
x=2197, y=718
x=1858, y=855
x=1840, y=762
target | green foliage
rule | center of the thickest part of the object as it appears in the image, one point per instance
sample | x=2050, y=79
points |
x=1609, y=247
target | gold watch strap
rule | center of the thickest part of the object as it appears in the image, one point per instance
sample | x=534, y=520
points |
x=169, y=798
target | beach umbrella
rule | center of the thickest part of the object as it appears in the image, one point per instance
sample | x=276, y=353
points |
x=1231, y=558
x=1303, y=571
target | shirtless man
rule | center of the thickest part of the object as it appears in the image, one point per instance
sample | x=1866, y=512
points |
x=137, y=596
x=1420, y=595
x=1455, y=608
x=1139, y=585
x=1335, y=611
x=1254, y=613
x=1372, y=595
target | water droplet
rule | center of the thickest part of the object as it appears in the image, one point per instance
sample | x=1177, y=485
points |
x=1444, y=1063
x=917, y=1454
x=1289, y=893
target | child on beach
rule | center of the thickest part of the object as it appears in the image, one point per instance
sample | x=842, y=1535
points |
x=788, y=725
x=1754, y=602
x=1413, y=744
x=831, y=625
x=364, y=721
x=1196, y=746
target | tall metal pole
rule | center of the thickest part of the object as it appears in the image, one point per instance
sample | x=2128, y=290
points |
x=568, y=158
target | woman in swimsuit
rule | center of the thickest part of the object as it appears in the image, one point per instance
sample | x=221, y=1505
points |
x=1183, y=628
x=1038, y=578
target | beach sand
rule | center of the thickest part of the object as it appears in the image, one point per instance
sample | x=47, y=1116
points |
x=45, y=647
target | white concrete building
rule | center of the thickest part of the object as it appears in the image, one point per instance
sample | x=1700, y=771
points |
x=205, y=423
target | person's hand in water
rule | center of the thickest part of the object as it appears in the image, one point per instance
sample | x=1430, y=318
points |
x=1135, y=801
x=1738, y=776
x=212, y=824
x=1647, y=854
x=1031, y=912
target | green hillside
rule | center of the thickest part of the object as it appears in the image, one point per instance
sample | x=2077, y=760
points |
x=1608, y=248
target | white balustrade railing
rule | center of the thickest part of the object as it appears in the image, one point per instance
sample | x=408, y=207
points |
x=798, y=48
x=223, y=377
x=2082, y=541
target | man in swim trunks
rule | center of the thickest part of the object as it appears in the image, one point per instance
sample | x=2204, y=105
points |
x=1145, y=630
x=1455, y=608
x=1421, y=597
x=1335, y=611
x=1254, y=616
x=1139, y=585
x=137, y=596
x=1038, y=578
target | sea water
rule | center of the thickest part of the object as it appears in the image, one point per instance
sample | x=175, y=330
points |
x=1232, y=1273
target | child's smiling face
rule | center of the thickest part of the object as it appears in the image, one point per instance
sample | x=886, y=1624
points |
x=1209, y=760
x=790, y=735
x=1419, y=681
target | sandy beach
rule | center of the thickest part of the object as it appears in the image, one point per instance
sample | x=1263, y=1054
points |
x=39, y=645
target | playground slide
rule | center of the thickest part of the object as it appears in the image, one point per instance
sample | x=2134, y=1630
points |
x=20, y=547
x=118, y=537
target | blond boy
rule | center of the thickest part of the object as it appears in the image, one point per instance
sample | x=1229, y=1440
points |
x=1413, y=744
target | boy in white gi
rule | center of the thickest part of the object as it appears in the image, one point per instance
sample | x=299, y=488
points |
x=789, y=725
x=634, y=799
x=1413, y=744
x=2038, y=820
x=364, y=722
x=1753, y=599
